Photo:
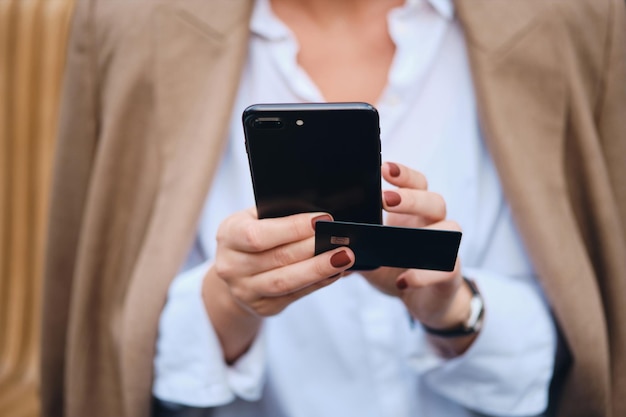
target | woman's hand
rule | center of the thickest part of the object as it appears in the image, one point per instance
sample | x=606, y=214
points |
x=262, y=266
x=435, y=298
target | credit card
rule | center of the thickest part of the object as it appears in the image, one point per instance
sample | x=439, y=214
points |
x=402, y=247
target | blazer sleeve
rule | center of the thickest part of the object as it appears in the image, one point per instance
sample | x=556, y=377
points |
x=611, y=119
x=611, y=114
x=74, y=156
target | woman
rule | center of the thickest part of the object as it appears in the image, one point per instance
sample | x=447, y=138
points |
x=251, y=323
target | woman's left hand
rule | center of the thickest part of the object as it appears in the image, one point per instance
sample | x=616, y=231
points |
x=437, y=299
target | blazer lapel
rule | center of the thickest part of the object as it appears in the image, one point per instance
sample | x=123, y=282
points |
x=520, y=83
x=199, y=53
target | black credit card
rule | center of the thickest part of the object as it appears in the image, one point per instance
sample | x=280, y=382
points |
x=402, y=247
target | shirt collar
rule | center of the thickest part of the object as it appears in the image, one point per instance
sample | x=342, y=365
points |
x=444, y=7
x=265, y=24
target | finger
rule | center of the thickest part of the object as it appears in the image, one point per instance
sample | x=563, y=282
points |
x=236, y=264
x=445, y=225
x=294, y=277
x=244, y=232
x=421, y=278
x=429, y=206
x=270, y=306
x=403, y=176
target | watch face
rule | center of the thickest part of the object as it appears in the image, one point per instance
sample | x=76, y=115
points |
x=474, y=322
x=476, y=313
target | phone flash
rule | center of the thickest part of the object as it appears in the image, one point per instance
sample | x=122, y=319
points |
x=299, y=122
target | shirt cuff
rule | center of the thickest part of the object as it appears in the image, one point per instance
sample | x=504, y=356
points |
x=189, y=363
x=508, y=368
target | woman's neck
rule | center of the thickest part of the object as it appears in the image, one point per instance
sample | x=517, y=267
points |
x=327, y=13
x=345, y=45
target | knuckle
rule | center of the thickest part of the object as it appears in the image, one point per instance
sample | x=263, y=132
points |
x=252, y=238
x=301, y=225
x=265, y=308
x=239, y=293
x=321, y=266
x=220, y=236
x=223, y=269
x=279, y=285
x=282, y=256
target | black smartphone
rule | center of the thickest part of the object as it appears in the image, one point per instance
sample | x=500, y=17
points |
x=315, y=157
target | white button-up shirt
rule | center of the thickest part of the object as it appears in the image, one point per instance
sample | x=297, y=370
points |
x=349, y=350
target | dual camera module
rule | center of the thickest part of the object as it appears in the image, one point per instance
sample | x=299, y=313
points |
x=272, y=123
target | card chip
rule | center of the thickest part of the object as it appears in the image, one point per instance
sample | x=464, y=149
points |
x=339, y=240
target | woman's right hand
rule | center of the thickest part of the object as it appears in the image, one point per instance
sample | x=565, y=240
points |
x=262, y=266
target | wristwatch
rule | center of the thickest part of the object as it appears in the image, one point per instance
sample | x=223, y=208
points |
x=474, y=321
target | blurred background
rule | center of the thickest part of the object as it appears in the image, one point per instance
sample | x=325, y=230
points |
x=33, y=36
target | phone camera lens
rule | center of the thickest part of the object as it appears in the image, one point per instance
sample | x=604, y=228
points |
x=268, y=123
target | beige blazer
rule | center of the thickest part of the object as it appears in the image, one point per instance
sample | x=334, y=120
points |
x=148, y=95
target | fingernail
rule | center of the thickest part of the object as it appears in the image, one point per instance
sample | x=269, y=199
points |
x=324, y=217
x=394, y=170
x=392, y=198
x=401, y=284
x=340, y=259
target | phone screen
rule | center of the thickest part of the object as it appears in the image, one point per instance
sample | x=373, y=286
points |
x=315, y=157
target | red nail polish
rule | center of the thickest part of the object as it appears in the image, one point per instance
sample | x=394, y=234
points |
x=340, y=259
x=324, y=217
x=401, y=284
x=392, y=198
x=394, y=170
